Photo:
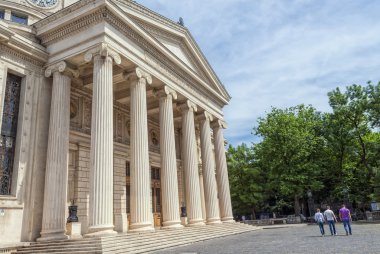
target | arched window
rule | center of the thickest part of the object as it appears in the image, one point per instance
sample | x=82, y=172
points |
x=9, y=131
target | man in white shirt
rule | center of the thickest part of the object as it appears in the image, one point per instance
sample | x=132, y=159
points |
x=319, y=219
x=331, y=219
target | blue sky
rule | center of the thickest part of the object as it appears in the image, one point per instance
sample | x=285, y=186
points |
x=281, y=52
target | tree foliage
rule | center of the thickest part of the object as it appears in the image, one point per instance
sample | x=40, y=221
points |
x=334, y=155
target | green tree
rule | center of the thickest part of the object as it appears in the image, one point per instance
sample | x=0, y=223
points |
x=291, y=146
x=246, y=180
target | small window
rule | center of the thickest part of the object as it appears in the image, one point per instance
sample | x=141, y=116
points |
x=2, y=14
x=19, y=18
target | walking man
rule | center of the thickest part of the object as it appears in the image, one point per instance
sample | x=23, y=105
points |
x=345, y=216
x=331, y=219
x=319, y=219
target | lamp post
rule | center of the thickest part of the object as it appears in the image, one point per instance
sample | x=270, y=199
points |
x=310, y=203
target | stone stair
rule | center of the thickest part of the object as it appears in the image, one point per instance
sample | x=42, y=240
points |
x=134, y=243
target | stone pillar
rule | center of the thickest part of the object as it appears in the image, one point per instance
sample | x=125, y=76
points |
x=54, y=208
x=169, y=181
x=204, y=215
x=190, y=165
x=222, y=173
x=141, y=213
x=101, y=155
x=208, y=169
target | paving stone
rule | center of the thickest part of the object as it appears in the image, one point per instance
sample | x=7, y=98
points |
x=365, y=239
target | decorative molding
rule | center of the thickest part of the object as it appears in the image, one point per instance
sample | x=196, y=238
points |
x=164, y=92
x=13, y=55
x=63, y=68
x=138, y=73
x=204, y=116
x=63, y=12
x=103, y=50
x=151, y=14
x=188, y=105
x=219, y=124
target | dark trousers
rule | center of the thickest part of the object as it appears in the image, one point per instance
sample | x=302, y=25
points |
x=347, y=224
x=321, y=228
x=332, y=227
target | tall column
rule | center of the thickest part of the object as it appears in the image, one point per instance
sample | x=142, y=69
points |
x=169, y=181
x=141, y=213
x=101, y=155
x=208, y=169
x=222, y=173
x=190, y=165
x=53, y=219
x=203, y=204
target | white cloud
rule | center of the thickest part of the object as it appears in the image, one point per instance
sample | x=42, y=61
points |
x=281, y=53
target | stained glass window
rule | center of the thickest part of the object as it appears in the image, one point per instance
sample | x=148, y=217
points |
x=9, y=132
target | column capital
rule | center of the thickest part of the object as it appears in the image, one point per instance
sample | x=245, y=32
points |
x=61, y=67
x=218, y=123
x=137, y=74
x=103, y=50
x=204, y=116
x=164, y=92
x=188, y=105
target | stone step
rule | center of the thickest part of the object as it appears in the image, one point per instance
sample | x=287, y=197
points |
x=138, y=242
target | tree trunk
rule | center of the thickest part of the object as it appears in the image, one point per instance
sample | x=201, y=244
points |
x=296, y=205
x=253, y=214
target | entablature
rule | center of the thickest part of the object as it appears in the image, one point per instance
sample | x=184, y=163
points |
x=107, y=23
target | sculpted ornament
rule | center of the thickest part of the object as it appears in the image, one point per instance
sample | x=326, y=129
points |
x=138, y=73
x=103, y=50
x=188, y=105
x=44, y=3
x=219, y=124
x=164, y=92
x=63, y=68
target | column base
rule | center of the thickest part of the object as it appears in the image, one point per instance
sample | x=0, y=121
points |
x=172, y=225
x=52, y=235
x=100, y=230
x=195, y=222
x=228, y=220
x=121, y=223
x=141, y=227
x=212, y=221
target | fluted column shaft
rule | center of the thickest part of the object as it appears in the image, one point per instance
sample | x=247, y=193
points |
x=53, y=219
x=141, y=213
x=222, y=174
x=208, y=168
x=169, y=181
x=101, y=171
x=190, y=165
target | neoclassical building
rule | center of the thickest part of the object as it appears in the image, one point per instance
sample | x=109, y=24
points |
x=113, y=107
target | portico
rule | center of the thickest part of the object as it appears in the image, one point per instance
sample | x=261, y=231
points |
x=123, y=115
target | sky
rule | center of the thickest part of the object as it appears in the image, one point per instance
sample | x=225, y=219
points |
x=280, y=53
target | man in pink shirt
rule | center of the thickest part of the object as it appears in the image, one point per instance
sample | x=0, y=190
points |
x=345, y=216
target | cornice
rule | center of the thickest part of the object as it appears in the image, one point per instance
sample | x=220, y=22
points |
x=22, y=45
x=151, y=14
x=8, y=53
x=62, y=13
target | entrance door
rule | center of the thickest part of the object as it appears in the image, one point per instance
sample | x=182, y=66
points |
x=156, y=195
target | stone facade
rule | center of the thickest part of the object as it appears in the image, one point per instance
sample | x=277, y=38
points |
x=119, y=113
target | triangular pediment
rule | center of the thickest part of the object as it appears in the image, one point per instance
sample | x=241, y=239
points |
x=178, y=41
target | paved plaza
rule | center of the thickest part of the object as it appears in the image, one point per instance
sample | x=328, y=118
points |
x=305, y=239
